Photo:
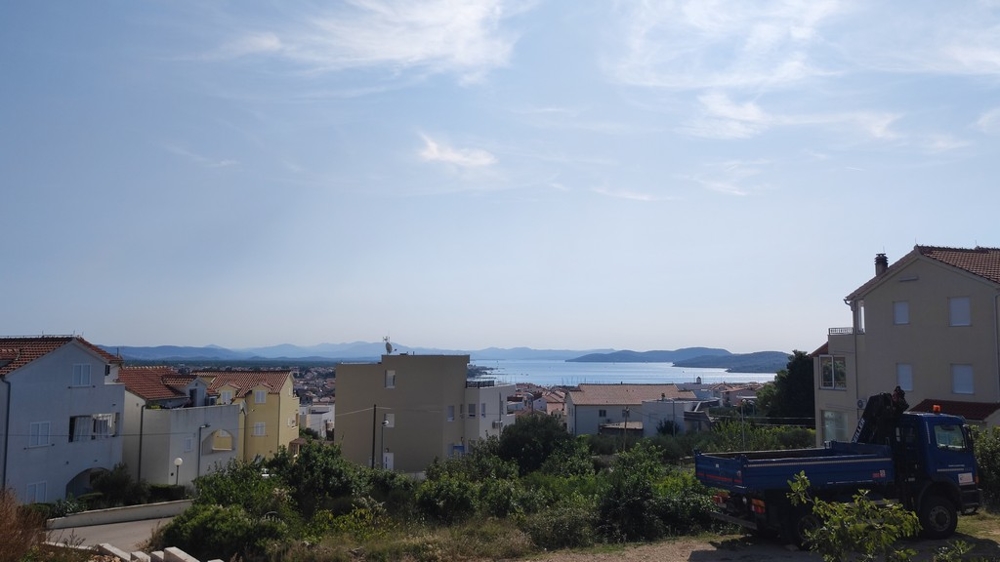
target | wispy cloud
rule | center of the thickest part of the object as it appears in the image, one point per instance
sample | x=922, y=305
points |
x=730, y=177
x=705, y=44
x=199, y=159
x=434, y=151
x=461, y=36
x=989, y=122
x=625, y=194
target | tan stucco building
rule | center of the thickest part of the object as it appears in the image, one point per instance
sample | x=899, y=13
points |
x=269, y=416
x=929, y=323
x=406, y=410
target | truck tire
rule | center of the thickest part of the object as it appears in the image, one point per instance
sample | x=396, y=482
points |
x=800, y=520
x=938, y=517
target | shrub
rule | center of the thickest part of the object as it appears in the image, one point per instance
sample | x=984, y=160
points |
x=570, y=524
x=987, y=447
x=447, y=499
x=214, y=531
x=21, y=530
x=627, y=505
x=116, y=488
x=683, y=504
x=531, y=440
x=501, y=498
x=394, y=490
x=243, y=484
x=318, y=477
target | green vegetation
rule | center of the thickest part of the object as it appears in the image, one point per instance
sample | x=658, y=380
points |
x=534, y=487
x=987, y=447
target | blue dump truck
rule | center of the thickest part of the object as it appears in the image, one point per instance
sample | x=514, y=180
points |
x=924, y=461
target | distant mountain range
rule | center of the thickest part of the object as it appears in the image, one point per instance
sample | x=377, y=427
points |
x=354, y=351
x=693, y=357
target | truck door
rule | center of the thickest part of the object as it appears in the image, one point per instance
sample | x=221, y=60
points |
x=949, y=454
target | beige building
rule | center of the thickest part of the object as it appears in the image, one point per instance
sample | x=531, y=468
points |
x=591, y=406
x=269, y=417
x=407, y=410
x=928, y=323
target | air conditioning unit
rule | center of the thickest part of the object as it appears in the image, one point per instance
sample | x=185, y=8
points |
x=497, y=424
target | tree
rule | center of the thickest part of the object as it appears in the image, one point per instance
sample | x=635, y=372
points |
x=791, y=395
x=531, y=440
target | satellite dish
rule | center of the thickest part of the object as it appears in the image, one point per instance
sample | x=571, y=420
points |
x=388, y=345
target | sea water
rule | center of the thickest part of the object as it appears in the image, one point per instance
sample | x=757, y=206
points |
x=555, y=373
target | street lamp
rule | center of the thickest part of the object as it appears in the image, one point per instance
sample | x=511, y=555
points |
x=177, y=470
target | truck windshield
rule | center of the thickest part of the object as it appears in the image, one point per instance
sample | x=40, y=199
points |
x=949, y=437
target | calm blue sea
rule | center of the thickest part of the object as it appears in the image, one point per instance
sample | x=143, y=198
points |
x=552, y=373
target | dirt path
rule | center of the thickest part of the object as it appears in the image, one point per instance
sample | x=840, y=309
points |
x=746, y=549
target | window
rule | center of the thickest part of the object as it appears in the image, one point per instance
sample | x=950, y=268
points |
x=36, y=492
x=959, y=311
x=472, y=410
x=389, y=420
x=834, y=371
x=949, y=437
x=834, y=426
x=38, y=434
x=81, y=374
x=226, y=397
x=390, y=379
x=222, y=440
x=961, y=379
x=901, y=312
x=451, y=413
x=482, y=409
x=188, y=444
x=258, y=429
x=904, y=376
x=104, y=426
x=260, y=396
x=79, y=428
x=602, y=413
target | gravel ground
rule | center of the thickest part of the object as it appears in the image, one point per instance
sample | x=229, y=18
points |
x=746, y=549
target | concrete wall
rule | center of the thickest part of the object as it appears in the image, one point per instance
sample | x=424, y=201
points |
x=119, y=515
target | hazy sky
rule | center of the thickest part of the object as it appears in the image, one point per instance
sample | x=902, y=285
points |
x=463, y=174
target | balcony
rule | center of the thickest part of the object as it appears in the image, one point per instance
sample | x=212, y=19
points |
x=479, y=383
x=849, y=331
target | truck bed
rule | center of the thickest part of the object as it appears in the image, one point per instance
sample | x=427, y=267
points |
x=839, y=464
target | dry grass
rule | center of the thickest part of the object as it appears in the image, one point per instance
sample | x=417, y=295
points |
x=21, y=530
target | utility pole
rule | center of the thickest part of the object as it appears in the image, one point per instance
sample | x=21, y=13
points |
x=374, y=425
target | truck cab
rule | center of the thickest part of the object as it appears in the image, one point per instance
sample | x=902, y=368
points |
x=936, y=469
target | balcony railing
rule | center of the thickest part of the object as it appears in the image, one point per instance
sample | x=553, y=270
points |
x=850, y=331
x=476, y=383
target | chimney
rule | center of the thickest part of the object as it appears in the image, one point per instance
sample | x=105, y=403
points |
x=881, y=264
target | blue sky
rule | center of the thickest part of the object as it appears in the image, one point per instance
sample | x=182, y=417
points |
x=464, y=174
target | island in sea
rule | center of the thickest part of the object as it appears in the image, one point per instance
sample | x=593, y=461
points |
x=696, y=357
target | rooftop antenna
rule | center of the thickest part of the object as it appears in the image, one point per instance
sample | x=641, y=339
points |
x=388, y=345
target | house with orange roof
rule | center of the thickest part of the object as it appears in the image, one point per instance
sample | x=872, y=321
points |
x=61, y=421
x=591, y=406
x=929, y=324
x=171, y=416
x=270, y=409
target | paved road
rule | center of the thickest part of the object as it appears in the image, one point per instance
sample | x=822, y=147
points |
x=125, y=536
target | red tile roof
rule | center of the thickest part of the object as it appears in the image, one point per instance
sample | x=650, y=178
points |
x=982, y=262
x=245, y=381
x=612, y=394
x=154, y=383
x=16, y=352
x=973, y=411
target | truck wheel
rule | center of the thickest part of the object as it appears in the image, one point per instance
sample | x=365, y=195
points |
x=799, y=522
x=938, y=517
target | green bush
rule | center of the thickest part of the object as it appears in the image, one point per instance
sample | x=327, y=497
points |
x=627, y=502
x=116, y=488
x=501, y=498
x=683, y=504
x=570, y=524
x=394, y=490
x=244, y=484
x=318, y=476
x=987, y=447
x=447, y=500
x=213, y=531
